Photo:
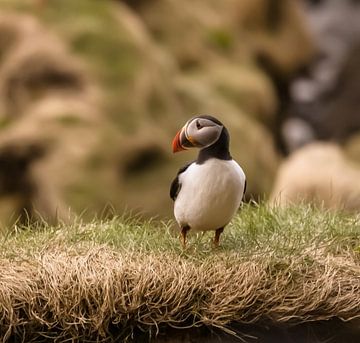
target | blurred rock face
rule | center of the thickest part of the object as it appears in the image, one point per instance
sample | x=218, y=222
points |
x=92, y=92
x=44, y=94
x=323, y=104
x=325, y=95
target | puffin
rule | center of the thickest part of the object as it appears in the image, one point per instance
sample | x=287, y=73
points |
x=206, y=192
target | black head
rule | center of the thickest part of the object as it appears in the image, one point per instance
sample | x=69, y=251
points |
x=206, y=133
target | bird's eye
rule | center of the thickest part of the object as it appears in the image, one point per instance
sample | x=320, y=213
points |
x=198, y=125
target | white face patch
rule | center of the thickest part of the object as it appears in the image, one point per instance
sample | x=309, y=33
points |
x=202, y=132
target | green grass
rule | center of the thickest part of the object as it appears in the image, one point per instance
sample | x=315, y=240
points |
x=257, y=230
x=108, y=279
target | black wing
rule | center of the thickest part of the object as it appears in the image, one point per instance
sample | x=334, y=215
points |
x=176, y=185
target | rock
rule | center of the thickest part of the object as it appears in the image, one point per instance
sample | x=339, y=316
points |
x=325, y=93
x=247, y=88
x=199, y=32
x=352, y=147
x=47, y=103
x=297, y=133
x=318, y=173
x=35, y=63
x=278, y=36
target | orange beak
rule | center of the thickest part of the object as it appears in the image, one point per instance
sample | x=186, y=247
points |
x=176, y=143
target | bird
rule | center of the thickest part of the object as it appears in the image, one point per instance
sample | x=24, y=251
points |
x=208, y=191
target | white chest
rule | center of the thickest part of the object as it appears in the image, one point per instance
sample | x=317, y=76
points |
x=210, y=194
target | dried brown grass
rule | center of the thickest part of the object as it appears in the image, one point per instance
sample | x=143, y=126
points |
x=88, y=290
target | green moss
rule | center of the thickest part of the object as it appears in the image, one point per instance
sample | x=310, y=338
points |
x=95, y=34
x=70, y=120
x=58, y=11
x=96, y=160
x=4, y=122
x=221, y=39
x=114, y=60
x=18, y=5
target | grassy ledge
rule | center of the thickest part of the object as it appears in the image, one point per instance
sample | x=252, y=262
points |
x=107, y=280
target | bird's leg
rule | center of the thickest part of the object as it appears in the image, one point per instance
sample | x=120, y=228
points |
x=184, y=231
x=218, y=232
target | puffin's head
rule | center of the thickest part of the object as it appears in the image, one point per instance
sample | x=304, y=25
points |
x=199, y=132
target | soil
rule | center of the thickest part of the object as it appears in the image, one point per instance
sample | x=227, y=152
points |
x=332, y=331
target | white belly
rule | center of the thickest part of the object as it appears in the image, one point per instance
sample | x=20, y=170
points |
x=210, y=194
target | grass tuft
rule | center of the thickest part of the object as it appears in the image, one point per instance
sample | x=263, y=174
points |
x=108, y=279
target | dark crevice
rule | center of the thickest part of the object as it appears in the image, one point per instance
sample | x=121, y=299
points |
x=16, y=179
x=143, y=160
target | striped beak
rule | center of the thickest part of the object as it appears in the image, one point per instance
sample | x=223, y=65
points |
x=181, y=142
x=176, y=143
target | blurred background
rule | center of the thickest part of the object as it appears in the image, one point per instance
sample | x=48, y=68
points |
x=93, y=91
